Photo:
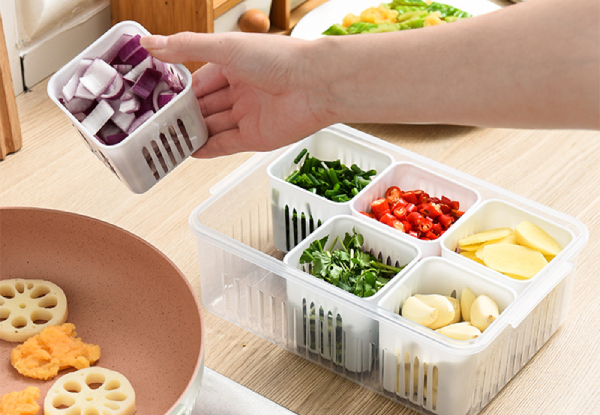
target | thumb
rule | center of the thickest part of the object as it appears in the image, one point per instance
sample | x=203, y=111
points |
x=189, y=47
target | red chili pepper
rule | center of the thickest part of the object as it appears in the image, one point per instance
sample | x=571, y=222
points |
x=414, y=218
x=425, y=225
x=432, y=210
x=398, y=225
x=436, y=228
x=431, y=236
x=399, y=203
x=457, y=213
x=434, y=200
x=388, y=219
x=400, y=212
x=413, y=233
x=393, y=195
x=379, y=207
x=369, y=215
x=410, y=197
x=445, y=208
x=407, y=226
x=452, y=203
x=446, y=220
x=410, y=208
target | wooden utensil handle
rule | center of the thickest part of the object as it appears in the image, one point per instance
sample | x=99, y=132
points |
x=10, y=129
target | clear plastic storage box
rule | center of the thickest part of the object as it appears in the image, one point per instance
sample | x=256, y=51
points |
x=246, y=281
x=161, y=143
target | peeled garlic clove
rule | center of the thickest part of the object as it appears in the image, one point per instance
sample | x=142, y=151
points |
x=466, y=300
x=445, y=309
x=460, y=331
x=456, y=306
x=419, y=312
x=484, y=311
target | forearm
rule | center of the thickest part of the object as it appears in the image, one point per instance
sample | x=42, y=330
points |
x=533, y=65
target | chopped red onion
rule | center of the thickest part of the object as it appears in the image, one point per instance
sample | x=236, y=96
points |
x=161, y=87
x=165, y=98
x=98, y=77
x=82, y=92
x=123, y=120
x=110, y=55
x=129, y=106
x=138, y=56
x=77, y=105
x=139, y=121
x=98, y=117
x=129, y=48
x=113, y=139
x=69, y=89
x=115, y=89
x=122, y=68
x=146, y=83
x=174, y=82
x=80, y=116
x=134, y=74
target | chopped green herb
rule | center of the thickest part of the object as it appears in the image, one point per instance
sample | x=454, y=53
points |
x=348, y=267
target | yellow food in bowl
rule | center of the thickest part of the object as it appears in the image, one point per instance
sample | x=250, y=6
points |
x=54, y=349
x=20, y=402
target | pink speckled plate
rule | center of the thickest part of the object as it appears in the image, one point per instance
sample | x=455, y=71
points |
x=123, y=294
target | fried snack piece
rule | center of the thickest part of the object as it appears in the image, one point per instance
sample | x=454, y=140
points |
x=54, y=349
x=20, y=402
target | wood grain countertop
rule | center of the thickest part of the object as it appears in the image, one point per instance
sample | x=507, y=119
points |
x=560, y=169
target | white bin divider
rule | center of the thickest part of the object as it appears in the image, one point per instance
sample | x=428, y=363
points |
x=159, y=145
x=312, y=210
x=359, y=331
x=410, y=176
x=495, y=213
x=451, y=367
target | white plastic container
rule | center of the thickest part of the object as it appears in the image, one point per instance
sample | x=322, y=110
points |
x=360, y=330
x=245, y=281
x=288, y=199
x=410, y=176
x=160, y=144
x=434, y=368
x=500, y=214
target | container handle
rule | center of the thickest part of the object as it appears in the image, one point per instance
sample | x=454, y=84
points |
x=241, y=171
x=534, y=297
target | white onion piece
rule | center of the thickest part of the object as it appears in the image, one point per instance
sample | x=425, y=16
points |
x=69, y=89
x=123, y=120
x=113, y=51
x=115, y=89
x=129, y=105
x=161, y=87
x=77, y=105
x=134, y=74
x=98, y=117
x=82, y=92
x=98, y=77
x=139, y=121
x=123, y=68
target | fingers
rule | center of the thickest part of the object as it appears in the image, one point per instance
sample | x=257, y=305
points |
x=222, y=144
x=190, y=47
x=217, y=123
x=208, y=79
x=216, y=102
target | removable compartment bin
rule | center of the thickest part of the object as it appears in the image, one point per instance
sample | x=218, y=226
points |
x=337, y=332
x=410, y=176
x=493, y=214
x=161, y=143
x=245, y=282
x=296, y=211
x=427, y=367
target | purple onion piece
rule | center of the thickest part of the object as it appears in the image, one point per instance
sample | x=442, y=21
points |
x=134, y=74
x=80, y=116
x=129, y=48
x=113, y=139
x=98, y=77
x=77, y=105
x=161, y=87
x=139, y=121
x=69, y=89
x=110, y=55
x=146, y=83
x=174, y=82
x=139, y=55
x=165, y=98
x=82, y=92
x=122, y=68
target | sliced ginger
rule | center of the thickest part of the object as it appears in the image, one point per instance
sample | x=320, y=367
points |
x=20, y=402
x=54, y=349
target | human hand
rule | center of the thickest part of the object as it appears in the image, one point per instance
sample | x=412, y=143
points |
x=256, y=93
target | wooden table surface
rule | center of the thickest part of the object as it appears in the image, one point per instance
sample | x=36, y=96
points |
x=560, y=169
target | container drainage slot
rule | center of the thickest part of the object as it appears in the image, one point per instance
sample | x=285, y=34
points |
x=298, y=226
x=185, y=134
x=175, y=139
x=150, y=163
x=167, y=146
x=159, y=156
